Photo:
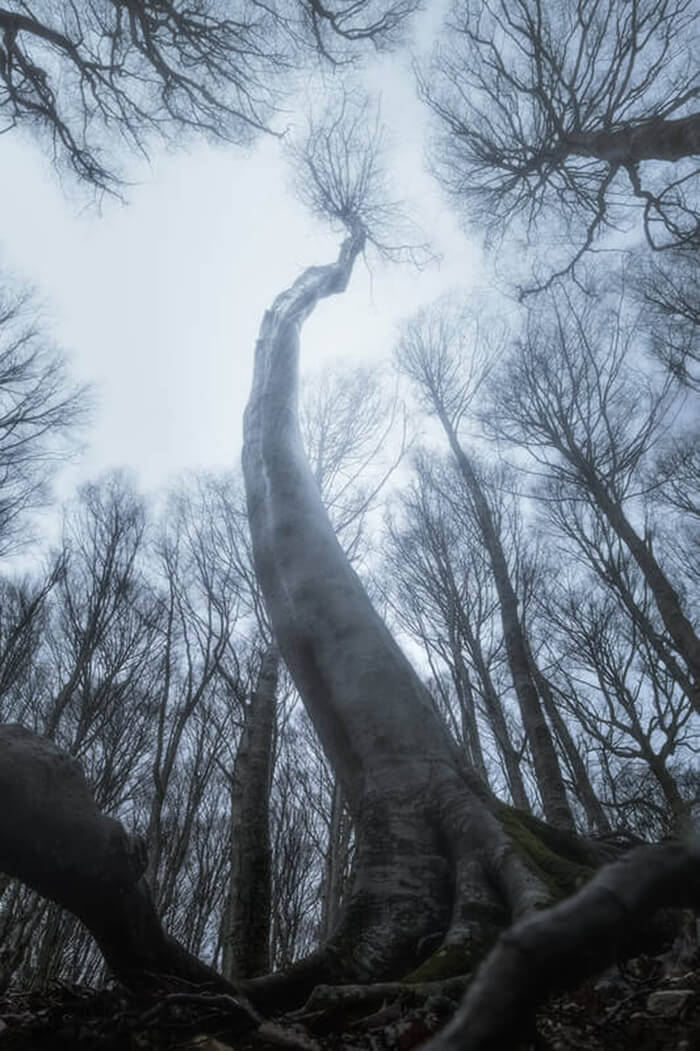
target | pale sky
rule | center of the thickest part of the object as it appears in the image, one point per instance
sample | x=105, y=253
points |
x=157, y=303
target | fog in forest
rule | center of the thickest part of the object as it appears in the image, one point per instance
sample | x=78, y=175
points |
x=349, y=510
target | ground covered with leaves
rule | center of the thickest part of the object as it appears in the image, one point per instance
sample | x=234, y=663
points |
x=638, y=1007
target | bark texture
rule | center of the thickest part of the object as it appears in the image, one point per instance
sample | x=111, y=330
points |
x=569, y=942
x=246, y=945
x=657, y=139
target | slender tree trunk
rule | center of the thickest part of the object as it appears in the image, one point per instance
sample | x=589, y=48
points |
x=246, y=942
x=467, y=707
x=545, y=760
x=336, y=864
x=667, y=783
x=597, y=818
x=667, y=600
x=494, y=711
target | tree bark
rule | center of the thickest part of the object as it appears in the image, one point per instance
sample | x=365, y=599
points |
x=567, y=943
x=335, y=864
x=433, y=857
x=651, y=140
x=246, y=941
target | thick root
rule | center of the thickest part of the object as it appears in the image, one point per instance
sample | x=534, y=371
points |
x=562, y=945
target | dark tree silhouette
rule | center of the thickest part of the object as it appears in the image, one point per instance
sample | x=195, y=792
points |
x=39, y=410
x=83, y=74
x=585, y=114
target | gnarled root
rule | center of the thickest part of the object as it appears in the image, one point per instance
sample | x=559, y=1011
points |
x=54, y=839
x=564, y=944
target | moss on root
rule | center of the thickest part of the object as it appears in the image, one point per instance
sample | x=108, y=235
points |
x=560, y=860
x=449, y=961
x=546, y=851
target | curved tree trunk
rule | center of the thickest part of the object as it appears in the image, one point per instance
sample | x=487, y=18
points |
x=432, y=856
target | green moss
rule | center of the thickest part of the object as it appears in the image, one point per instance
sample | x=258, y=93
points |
x=449, y=961
x=540, y=848
x=557, y=859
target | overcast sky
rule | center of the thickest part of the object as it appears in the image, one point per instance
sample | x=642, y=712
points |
x=157, y=303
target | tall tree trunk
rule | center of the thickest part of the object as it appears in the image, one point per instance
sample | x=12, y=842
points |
x=494, y=711
x=665, y=595
x=467, y=707
x=544, y=757
x=597, y=818
x=432, y=856
x=246, y=941
x=336, y=863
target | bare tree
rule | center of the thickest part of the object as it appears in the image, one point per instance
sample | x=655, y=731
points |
x=585, y=114
x=39, y=409
x=200, y=607
x=437, y=856
x=340, y=176
x=23, y=614
x=666, y=286
x=572, y=394
x=621, y=694
x=443, y=595
x=82, y=74
x=432, y=352
x=246, y=941
x=427, y=830
x=355, y=438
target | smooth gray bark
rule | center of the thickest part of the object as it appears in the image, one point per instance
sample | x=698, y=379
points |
x=657, y=139
x=335, y=863
x=432, y=857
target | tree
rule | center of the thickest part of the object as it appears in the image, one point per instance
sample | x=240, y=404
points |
x=39, y=409
x=246, y=947
x=435, y=852
x=437, y=856
x=81, y=74
x=431, y=352
x=666, y=287
x=583, y=113
x=619, y=691
x=571, y=394
x=443, y=595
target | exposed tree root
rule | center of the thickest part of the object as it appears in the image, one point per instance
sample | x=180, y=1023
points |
x=54, y=839
x=334, y=1007
x=576, y=938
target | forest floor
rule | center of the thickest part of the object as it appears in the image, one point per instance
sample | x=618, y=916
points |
x=636, y=1008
